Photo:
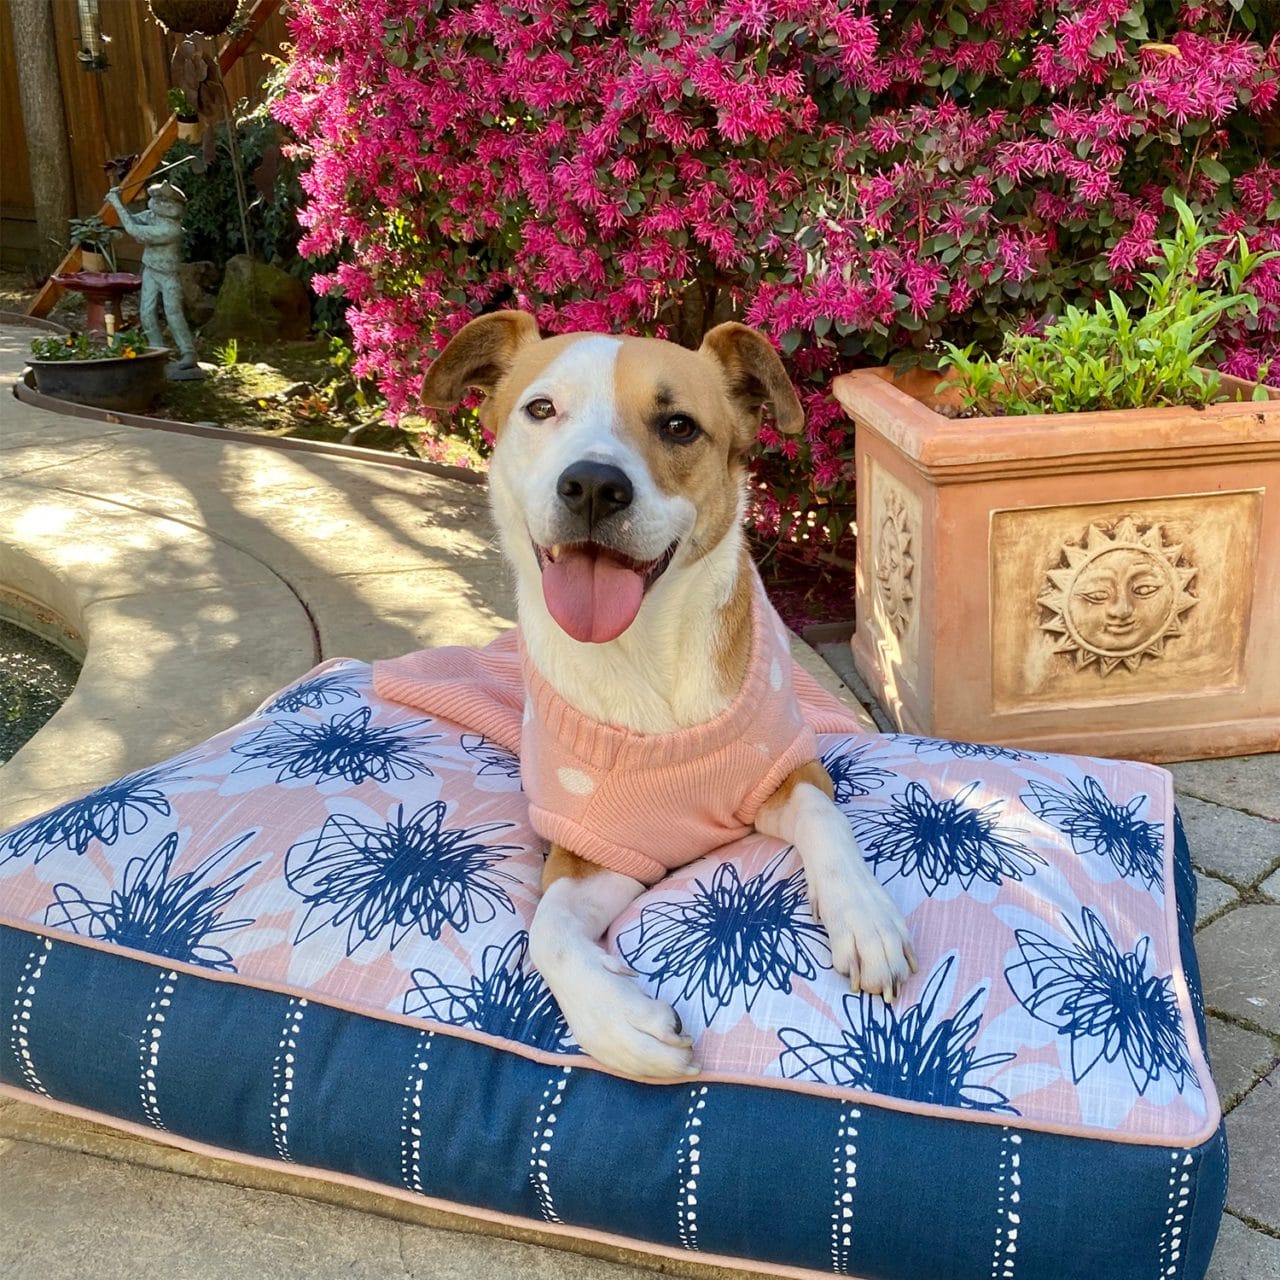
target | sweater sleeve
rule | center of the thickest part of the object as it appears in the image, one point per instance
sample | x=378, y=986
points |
x=478, y=689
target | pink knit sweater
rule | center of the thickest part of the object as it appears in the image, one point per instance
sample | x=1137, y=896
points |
x=640, y=804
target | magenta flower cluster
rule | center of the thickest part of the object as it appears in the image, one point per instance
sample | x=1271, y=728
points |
x=859, y=178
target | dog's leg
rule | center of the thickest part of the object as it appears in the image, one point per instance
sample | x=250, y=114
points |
x=610, y=1017
x=869, y=938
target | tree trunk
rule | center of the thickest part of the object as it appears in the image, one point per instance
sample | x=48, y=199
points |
x=45, y=125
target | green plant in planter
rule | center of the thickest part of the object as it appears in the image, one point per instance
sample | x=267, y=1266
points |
x=128, y=343
x=1117, y=356
x=94, y=235
x=181, y=105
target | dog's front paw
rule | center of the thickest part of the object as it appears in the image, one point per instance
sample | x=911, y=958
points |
x=870, y=941
x=621, y=1027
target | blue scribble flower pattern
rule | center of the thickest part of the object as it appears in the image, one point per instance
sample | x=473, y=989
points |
x=410, y=873
x=344, y=746
x=940, y=839
x=916, y=1054
x=508, y=999
x=492, y=758
x=121, y=808
x=1106, y=1001
x=852, y=773
x=159, y=912
x=1096, y=824
x=325, y=690
x=729, y=938
x=965, y=750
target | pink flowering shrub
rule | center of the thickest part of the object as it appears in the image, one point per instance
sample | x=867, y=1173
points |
x=862, y=180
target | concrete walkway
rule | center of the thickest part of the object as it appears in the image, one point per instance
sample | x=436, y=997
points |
x=205, y=574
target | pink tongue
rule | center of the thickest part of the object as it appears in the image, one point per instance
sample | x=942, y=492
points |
x=592, y=597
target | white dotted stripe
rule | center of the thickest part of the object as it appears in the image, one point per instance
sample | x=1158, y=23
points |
x=543, y=1131
x=20, y=1023
x=149, y=1046
x=689, y=1168
x=282, y=1073
x=1004, y=1257
x=411, y=1114
x=844, y=1165
x=1173, y=1237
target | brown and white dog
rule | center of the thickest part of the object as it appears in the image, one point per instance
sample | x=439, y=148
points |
x=618, y=487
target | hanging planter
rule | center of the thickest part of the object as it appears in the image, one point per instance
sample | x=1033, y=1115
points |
x=195, y=17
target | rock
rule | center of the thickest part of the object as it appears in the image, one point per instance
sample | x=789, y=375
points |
x=259, y=303
x=199, y=291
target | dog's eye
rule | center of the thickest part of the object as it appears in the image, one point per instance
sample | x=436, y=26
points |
x=541, y=409
x=679, y=429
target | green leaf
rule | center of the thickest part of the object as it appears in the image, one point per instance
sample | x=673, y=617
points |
x=1215, y=169
x=957, y=22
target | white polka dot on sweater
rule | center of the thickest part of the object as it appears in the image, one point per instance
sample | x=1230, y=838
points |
x=775, y=676
x=575, y=782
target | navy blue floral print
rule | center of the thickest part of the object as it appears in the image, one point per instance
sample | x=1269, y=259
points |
x=411, y=873
x=120, y=808
x=941, y=839
x=965, y=750
x=156, y=911
x=491, y=758
x=729, y=938
x=341, y=747
x=1096, y=824
x=853, y=775
x=914, y=1054
x=325, y=690
x=1107, y=1002
x=508, y=999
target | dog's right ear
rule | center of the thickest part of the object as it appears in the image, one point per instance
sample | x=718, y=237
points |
x=477, y=356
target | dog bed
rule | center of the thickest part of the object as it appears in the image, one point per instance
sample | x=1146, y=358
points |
x=306, y=941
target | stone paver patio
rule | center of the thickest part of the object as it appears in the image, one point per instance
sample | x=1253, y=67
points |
x=244, y=565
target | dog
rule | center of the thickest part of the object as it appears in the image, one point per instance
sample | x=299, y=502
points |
x=618, y=487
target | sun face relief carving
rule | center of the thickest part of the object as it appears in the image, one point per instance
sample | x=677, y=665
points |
x=1117, y=596
x=895, y=564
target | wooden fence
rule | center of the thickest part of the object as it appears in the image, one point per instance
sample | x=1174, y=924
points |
x=110, y=113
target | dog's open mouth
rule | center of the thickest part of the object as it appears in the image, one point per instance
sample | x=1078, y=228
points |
x=593, y=592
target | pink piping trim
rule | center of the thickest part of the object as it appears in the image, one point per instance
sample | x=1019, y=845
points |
x=413, y=1197
x=1198, y=1060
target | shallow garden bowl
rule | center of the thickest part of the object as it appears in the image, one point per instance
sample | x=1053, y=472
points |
x=130, y=384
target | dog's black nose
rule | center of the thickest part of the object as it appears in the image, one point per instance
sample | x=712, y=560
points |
x=594, y=490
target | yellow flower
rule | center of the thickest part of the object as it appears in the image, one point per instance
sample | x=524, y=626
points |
x=129, y=353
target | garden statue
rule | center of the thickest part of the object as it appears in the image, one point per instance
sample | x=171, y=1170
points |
x=159, y=231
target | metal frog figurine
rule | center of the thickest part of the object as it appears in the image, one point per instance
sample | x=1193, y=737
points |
x=159, y=231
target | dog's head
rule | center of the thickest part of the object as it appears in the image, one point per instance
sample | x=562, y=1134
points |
x=617, y=459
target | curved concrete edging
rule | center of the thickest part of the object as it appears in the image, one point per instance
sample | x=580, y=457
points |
x=164, y=665
x=25, y=390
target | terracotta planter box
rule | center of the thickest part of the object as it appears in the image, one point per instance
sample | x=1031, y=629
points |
x=1104, y=583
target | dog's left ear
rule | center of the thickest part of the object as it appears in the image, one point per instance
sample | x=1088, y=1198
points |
x=754, y=374
x=477, y=356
